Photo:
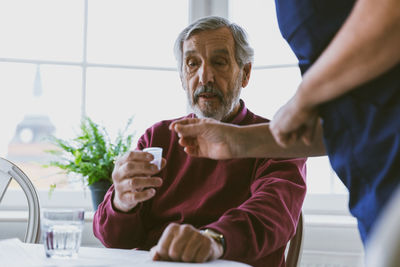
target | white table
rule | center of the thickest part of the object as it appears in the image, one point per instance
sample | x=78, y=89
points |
x=16, y=253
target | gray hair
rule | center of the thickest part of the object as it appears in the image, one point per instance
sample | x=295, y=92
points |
x=244, y=53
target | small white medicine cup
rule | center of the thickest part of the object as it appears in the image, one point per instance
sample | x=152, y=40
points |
x=157, y=154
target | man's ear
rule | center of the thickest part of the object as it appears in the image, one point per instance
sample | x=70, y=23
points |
x=246, y=74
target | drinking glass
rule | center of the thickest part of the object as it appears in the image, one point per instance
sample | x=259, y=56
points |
x=62, y=232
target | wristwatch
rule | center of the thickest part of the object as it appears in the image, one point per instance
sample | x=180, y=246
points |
x=219, y=238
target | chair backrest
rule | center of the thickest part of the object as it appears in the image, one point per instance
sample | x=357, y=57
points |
x=293, y=256
x=10, y=171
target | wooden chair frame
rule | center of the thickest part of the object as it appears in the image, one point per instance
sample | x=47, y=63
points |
x=295, y=249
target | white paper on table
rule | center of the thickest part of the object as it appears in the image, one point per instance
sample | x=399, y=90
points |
x=13, y=252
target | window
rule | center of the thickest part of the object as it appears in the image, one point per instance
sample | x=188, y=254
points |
x=63, y=59
x=275, y=78
x=40, y=80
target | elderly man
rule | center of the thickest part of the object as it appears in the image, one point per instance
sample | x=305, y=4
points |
x=195, y=209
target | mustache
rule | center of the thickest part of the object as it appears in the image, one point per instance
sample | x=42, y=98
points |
x=208, y=88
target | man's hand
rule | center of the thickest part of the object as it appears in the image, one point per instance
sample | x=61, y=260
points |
x=294, y=122
x=206, y=137
x=132, y=181
x=185, y=243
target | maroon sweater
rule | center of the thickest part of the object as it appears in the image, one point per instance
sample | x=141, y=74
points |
x=254, y=202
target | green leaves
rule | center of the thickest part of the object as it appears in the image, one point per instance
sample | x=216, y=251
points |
x=91, y=154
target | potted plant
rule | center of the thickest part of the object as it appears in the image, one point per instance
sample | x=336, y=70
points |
x=91, y=154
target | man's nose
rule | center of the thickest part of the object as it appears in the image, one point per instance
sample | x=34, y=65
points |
x=206, y=74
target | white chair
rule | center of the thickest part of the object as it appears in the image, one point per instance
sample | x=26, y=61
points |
x=9, y=171
x=295, y=248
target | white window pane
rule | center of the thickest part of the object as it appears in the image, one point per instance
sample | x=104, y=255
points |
x=338, y=186
x=319, y=175
x=258, y=17
x=41, y=29
x=114, y=95
x=135, y=32
x=269, y=89
x=28, y=116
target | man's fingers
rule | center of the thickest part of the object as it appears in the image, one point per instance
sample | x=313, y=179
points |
x=308, y=136
x=163, y=163
x=192, y=248
x=138, y=155
x=184, y=243
x=133, y=155
x=164, y=243
x=190, y=145
x=187, y=141
x=183, y=122
x=204, y=253
x=310, y=132
x=154, y=255
x=137, y=197
x=133, y=168
x=180, y=241
x=125, y=201
x=281, y=140
x=286, y=139
x=188, y=127
x=193, y=151
x=135, y=183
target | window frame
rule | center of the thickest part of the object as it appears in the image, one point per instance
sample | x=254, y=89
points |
x=328, y=203
x=14, y=199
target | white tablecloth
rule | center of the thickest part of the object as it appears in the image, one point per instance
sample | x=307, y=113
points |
x=16, y=253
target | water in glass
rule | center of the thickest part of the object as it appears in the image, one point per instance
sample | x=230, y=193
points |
x=62, y=233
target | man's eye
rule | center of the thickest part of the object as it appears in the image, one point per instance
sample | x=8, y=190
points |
x=192, y=63
x=220, y=62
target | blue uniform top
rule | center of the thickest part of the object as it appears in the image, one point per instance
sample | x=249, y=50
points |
x=361, y=128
